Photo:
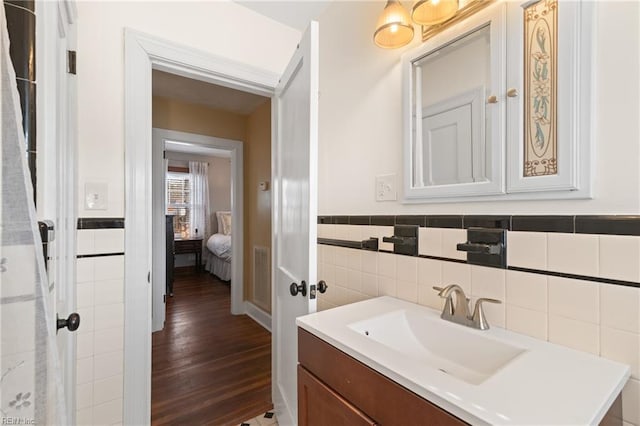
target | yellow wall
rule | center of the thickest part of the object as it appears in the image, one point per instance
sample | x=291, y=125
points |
x=255, y=131
x=185, y=117
x=257, y=168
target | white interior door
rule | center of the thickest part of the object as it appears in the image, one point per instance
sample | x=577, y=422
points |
x=295, y=171
x=56, y=35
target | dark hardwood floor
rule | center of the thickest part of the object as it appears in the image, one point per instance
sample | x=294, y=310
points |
x=209, y=367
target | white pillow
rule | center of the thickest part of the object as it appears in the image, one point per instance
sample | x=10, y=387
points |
x=226, y=224
x=221, y=225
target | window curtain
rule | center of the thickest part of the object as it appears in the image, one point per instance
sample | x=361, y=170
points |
x=30, y=381
x=199, y=215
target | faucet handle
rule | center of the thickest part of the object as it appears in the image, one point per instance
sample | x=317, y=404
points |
x=478, y=318
x=438, y=289
x=488, y=300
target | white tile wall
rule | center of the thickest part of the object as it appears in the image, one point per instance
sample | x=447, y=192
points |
x=100, y=301
x=430, y=241
x=620, y=307
x=598, y=318
x=429, y=275
x=573, y=253
x=575, y=334
x=574, y=299
x=619, y=256
x=527, y=250
x=450, y=239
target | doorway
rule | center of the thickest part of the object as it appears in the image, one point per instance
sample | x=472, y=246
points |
x=200, y=145
x=191, y=345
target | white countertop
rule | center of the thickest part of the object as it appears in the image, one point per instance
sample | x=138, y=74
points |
x=547, y=384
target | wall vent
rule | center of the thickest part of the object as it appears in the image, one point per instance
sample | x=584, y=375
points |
x=261, y=278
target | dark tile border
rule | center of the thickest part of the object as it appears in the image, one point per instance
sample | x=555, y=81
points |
x=100, y=223
x=576, y=277
x=444, y=221
x=612, y=225
x=412, y=220
x=604, y=224
x=383, y=220
x=543, y=223
x=493, y=222
x=359, y=220
x=82, y=256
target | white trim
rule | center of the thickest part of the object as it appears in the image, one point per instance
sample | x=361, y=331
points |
x=494, y=17
x=142, y=53
x=235, y=149
x=576, y=28
x=258, y=315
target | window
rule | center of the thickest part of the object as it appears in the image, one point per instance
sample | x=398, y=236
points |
x=179, y=201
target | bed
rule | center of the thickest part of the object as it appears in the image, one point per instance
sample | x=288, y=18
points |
x=218, y=261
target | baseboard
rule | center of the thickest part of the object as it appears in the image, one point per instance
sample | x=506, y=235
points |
x=258, y=315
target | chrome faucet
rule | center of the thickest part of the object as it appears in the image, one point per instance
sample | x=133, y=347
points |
x=460, y=312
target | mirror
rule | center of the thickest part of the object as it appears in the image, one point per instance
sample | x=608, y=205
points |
x=453, y=114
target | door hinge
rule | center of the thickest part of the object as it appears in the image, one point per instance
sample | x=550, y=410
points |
x=164, y=154
x=71, y=62
x=164, y=298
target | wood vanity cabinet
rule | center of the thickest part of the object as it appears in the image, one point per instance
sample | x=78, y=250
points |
x=336, y=389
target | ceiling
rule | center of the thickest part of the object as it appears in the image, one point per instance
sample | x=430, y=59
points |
x=293, y=13
x=201, y=93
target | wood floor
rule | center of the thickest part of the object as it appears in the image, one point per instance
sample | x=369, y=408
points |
x=209, y=367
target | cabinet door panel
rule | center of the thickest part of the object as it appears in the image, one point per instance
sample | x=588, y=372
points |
x=319, y=405
x=376, y=395
x=549, y=105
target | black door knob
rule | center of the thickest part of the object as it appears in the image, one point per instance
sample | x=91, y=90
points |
x=294, y=289
x=72, y=322
x=322, y=286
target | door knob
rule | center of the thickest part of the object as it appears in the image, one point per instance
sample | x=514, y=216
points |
x=322, y=286
x=294, y=289
x=72, y=322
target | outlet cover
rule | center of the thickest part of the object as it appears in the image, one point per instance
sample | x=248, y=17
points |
x=386, y=188
x=95, y=196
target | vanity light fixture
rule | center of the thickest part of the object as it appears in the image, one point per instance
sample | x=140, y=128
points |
x=394, y=27
x=432, y=12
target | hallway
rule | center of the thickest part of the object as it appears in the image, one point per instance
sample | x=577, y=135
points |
x=208, y=367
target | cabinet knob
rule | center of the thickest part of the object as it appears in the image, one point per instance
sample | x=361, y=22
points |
x=512, y=93
x=493, y=99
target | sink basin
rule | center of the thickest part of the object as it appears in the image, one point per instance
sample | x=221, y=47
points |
x=450, y=348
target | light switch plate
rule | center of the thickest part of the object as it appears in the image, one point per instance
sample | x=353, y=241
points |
x=96, y=196
x=386, y=188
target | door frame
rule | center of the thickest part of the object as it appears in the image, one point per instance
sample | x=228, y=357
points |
x=235, y=149
x=143, y=53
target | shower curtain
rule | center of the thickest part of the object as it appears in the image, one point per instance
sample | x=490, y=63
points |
x=199, y=215
x=30, y=384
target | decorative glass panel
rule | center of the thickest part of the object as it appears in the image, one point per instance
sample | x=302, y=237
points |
x=540, y=75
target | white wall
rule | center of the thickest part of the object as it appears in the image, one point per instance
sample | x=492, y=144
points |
x=360, y=118
x=219, y=27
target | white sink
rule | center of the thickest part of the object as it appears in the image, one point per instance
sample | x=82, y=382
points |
x=490, y=377
x=450, y=348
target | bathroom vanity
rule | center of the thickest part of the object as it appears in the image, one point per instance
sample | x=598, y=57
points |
x=387, y=361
